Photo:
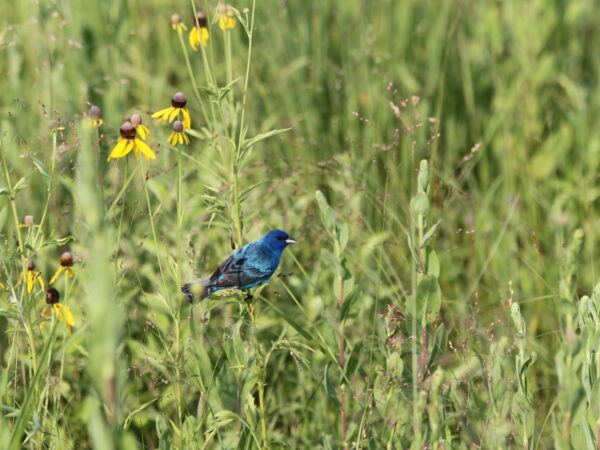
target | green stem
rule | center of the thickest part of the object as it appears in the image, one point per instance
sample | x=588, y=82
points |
x=50, y=184
x=192, y=77
x=151, y=217
x=12, y=199
x=260, y=376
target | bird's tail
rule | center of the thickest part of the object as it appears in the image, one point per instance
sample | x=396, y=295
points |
x=196, y=290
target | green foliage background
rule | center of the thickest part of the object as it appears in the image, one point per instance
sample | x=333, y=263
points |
x=501, y=98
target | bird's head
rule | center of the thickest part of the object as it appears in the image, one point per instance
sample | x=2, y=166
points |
x=277, y=240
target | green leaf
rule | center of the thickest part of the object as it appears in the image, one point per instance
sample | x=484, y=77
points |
x=429, y=296
x=433, y=263
x=134, y=412
x=330, y=388
x=261, y=137
x=4, y=191
x=429, y=233
x=350, y=306
x=327, y=214
x=40, y=167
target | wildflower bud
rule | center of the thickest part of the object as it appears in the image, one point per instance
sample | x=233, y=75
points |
x=423, y=178
x=127, y=131
x=175, y=19
x=177, y=126
x=95, y=112
x=419, y=205
x=30, y=265
x=136, y=120
x=178, y=100
x=66, y=259
x=223, y=9
x=54, y=125
x=52, y=296
x=28, y=221
x=201, y=20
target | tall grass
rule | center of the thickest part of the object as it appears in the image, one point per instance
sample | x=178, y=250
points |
x=437, y=163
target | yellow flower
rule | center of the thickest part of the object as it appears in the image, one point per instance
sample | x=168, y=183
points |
x=62, y=312
x=1, y=285
x=31, y=275
x=142, y=130
x=129, y=142
x=177, y=107
x=225, y=16
x=199, y=33
x=178, y=24
x=95, y=115
x=178, y=135
x=66, y=262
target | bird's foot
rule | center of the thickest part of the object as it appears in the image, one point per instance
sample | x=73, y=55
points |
x=248, y=296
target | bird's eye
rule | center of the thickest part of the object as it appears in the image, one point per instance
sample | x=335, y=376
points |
x=281, y=238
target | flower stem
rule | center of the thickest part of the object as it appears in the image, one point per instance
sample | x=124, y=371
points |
x=151, y=217
x=260, y=375
x=12, y=199
x=50, y=184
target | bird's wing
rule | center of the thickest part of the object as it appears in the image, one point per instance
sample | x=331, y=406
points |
x=243, y=267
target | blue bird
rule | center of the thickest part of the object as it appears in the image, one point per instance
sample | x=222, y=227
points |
x=249, y=266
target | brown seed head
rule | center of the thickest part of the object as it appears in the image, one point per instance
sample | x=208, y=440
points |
x=178, y=100
x=28, y=221
x=127, y=131
x=66, y=259
x=95, y=112
x=52, y=296
x=178, y=126
x=201, y=20
x=175, y=19
x=136, y=120
x=30, y=265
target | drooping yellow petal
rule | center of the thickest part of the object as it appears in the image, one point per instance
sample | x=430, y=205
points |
x=70, y=272
x=142, y=147
x=30, y=280
x=117, y=150
x=174, y=114
x=1, y=285
x=143, y=131
x=55, y=276
x=186, y=138
x=172, y=139
x=41, y=280
x=227, y=21
x=180, y=138
x=163, y=113
x=187, y=122
x=64, y=315
x=204, y=35
x=194, y=38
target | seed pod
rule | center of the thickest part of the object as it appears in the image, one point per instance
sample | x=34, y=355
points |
x=136, y=120
x=178, y=126
x=127, y=131
x=95, y=112
x=175, y=19
x=66, y=259
x=201, y=20
x=28, y=221
x=52, y=296
x=178, y=100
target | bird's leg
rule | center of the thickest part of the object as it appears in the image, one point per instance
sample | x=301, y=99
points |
x=248, y=297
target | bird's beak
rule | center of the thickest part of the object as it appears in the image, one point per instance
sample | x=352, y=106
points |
x=290, y=240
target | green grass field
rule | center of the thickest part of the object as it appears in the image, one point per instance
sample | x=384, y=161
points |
x=437, y=162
